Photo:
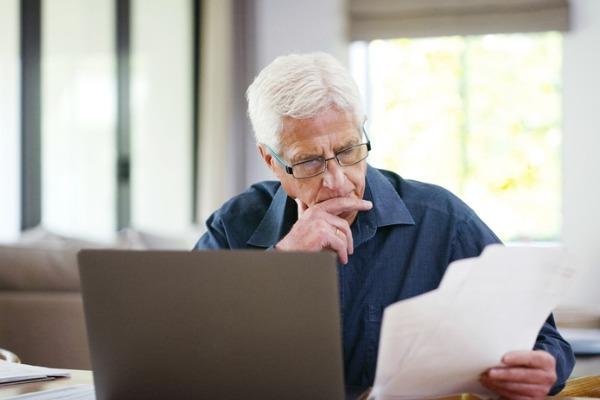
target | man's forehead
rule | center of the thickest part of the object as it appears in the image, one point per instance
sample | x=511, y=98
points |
x=333, y=139
x=330, y=129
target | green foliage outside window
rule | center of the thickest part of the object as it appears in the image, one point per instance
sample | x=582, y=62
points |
x=479, y=115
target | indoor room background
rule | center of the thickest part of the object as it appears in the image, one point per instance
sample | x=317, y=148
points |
x=130, y=115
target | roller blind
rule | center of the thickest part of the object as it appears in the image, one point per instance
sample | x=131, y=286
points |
x=386, y=19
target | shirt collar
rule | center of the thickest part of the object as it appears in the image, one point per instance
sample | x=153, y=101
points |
x=270, y=229
x=388, y=209
x=388, y=206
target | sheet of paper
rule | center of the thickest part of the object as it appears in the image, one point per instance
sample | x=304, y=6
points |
x=75, y=392
x=13, y=372
x=439, y=343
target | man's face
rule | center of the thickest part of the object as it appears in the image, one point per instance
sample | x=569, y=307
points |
x=322, y=136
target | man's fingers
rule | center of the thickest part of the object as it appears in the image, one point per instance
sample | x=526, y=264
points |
x=530, y=374
x=524, y=389
x=334, y=232
x=504, y=392
x=339, y=205
x=516, y=390
x=334, y=242
x=528, y=358
x=342, y=229
x=526, y=375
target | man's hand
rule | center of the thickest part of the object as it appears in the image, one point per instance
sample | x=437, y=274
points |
x=524, y=375
x=320, y=227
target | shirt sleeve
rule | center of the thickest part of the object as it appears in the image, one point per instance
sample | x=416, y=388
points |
x=550, y=340
x=470, y=239
x=214, y=237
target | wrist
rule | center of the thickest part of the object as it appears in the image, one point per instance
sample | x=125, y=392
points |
x=282, y=245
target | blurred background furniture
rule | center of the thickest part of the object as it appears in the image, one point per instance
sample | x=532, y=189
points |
x=41, y=312
x=580, y=326
x=9, y=356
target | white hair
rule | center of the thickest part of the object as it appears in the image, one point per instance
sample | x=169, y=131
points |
x=299, y=86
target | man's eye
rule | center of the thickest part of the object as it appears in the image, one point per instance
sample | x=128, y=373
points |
x=310, y=164
x=309, y=167
x=349, y=155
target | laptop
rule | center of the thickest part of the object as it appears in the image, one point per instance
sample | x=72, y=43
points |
x=212, y=324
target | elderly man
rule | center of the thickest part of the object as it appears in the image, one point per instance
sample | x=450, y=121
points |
x=393, y=237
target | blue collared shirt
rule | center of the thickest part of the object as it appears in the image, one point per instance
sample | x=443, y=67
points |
x=402, y=247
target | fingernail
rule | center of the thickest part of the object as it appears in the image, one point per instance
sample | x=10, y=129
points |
x=370, y=204
x=493, y=373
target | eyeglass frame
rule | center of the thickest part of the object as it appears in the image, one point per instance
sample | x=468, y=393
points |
x=289, y=168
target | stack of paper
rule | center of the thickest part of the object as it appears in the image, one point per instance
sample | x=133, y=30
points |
x=18, y=373
x=439, y=343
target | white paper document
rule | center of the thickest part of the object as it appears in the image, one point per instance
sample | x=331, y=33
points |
x=438, y=343
x=75, y=392
x=15, y=373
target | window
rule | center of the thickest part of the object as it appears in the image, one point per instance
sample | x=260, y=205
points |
x=161, y=116
x=10, y=146
x=80, y=148
x=78, y=118
x=479, y=115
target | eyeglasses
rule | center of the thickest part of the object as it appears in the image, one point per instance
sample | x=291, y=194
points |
x=316, y=166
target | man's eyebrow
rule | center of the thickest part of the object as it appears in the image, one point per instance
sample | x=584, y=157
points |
x=304, y=157
x=348, y=143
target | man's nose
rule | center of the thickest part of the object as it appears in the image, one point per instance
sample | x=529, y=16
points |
x=334, y=176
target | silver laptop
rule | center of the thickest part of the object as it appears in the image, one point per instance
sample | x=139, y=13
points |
x=212, y=324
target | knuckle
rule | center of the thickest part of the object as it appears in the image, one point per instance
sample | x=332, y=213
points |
x=544, y=390
x=322, y=225
x=310, y=213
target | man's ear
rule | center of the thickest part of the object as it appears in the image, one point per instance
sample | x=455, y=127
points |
x=266, y=156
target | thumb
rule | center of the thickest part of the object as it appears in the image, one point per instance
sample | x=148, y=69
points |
x=301, y=207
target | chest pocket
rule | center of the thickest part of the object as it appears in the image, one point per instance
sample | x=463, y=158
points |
x=373, y=319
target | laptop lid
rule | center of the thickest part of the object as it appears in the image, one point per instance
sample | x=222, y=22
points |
x=212, y=324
